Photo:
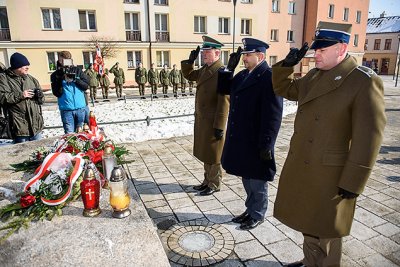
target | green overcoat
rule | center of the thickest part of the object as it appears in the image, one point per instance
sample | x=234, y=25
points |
x=141, y=75
x=152, y=76
x=338, y=131
x=211, y=111
x=164, y=77
x=119, y=76
x=93, y=75
x=174, y=77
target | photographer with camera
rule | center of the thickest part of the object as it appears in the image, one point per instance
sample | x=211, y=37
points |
x=68, y=84
x=21, y=98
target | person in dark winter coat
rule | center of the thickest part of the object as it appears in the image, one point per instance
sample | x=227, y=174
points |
x=69, y=84
x=21, y=97
x=254, y=120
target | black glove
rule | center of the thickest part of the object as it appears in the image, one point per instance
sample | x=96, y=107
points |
x=38, y=95
x=234, y=59
x=265, y=155
x=193, y=55
x=59, y=74
x=295, y=55
x=218, y=133
x=343, y=193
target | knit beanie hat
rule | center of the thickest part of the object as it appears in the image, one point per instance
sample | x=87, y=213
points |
x=18, y=60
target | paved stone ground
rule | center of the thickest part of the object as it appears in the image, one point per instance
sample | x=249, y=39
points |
x=165, y=170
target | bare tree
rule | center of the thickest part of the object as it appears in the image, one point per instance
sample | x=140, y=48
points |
x=108, y=47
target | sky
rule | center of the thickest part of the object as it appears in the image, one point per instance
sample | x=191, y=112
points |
x=391, y=8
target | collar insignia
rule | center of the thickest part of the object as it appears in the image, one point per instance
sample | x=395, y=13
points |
x=338, y=78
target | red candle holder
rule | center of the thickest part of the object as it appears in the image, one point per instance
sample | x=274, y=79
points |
x=90, y=192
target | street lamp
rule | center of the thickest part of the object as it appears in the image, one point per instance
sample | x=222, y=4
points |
x=397, y=60
x=234, y=22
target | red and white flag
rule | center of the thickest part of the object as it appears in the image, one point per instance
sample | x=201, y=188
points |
x=98, y=64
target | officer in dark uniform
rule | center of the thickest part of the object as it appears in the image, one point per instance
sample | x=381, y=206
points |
x=255, y=116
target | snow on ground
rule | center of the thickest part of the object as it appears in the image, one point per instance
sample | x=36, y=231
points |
x=135, y=109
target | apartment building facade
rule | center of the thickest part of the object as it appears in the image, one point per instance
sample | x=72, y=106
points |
x=382, y=44
x=159, y=31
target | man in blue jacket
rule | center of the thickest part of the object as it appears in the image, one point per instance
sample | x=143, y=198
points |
x=254, y=120
x=69, y=84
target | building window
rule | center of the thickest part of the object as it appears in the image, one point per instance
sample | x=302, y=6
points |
x=52, y=58
x=225, y=57
x=247, y=1
x=223, y=25
x=88, y=58
x=355, y=42
x=199, y=24
x=162, y=58
x=346, y=14
x=4, y=18
x=366, y=44
x=132, y=1
x=245, y=28
x=274, y=35
x=134, y=58
x=87, y=20
x=272, y=60
x=377, y=44
x=132, y=21
x=289, y=36
x=275, y=6
x=292, y=8
x=161, y=2
x=161, y=22
x=51, y=19
x=388, y=44
x=331, y=11
x=358, y=16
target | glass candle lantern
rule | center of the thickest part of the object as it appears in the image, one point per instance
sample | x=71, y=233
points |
x=109, y=161
x=90, y=192
x=119, y=196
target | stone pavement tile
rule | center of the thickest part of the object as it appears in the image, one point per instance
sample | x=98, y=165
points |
x=194, y=166
x=236, y=207
x=176, y=195
x=176, y=168
x=376, y=260
x=196, y=197
x=393, y=218
x=154, y=169
x=139, y=172
x=250, y=250
x=164, y=223
x=180, y=202
x=348, y=262
x=239, y=189
x=159, y=212
x=165, y=181
x=274, y=221
x=379, y=197
x=369, y=191
x=207, y=205
x=270, y=209
x=294, y=235
x=383, y=245
x=151, y=194
x=145, y=187
x=232, y=180
x=188, y=213
x=266, y=233
x=362, y=232
x=226, y=195
x=286, y=251
x=396, y=238
x=392, y=203
x=184, y=156
x=231, y=261
x=376, y=185
x=356, y=249
x=266, y=261
x=171, y=161
x=368, y=218
x=221, y=215
x=374, y=207
x=170, y=188
x=156, y=203
x=161, y=175
x=188, y=184
x=143, y=180
x=272, y=191
x=395, y=257
x=183, y=176
x=388, y=229
x=238, y=235
x=395, y=193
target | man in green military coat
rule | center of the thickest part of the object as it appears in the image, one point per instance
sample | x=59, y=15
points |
x=119, y=78
x=175, y=79
x=104, y=83
x=211, y=113
x=152, y=76
x=164, y=80
x=141, y=79
x=94, y=82
x=338, y=131
x=183, y=83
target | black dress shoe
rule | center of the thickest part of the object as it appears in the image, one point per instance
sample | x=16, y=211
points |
x=200, y=187
x=250, y=223
x=208, y=191
x=241, y=218
x=295, y=264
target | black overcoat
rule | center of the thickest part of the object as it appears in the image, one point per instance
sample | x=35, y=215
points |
x=254, y=120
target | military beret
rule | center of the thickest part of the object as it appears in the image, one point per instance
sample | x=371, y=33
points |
x=329, y=33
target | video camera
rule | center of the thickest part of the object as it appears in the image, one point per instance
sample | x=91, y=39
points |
x=69, y=69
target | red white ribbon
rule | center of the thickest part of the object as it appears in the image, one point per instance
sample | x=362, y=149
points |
x=46, y=166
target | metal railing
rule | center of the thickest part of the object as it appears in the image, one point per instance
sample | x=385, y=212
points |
x=133, y=36
x=162, y=36
x=5, y=35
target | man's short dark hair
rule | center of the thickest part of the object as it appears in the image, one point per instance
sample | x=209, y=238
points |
x=65, y=54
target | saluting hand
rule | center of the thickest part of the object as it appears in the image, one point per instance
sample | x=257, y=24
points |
x=193, y=55
x=295, y=55
x=234, y=59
